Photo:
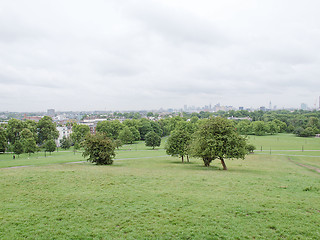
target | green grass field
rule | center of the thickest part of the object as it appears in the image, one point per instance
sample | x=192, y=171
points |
x=148, y=195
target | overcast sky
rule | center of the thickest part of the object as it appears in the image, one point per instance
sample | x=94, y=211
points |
x=148, y=54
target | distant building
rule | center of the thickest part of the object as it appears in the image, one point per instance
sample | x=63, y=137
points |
x=241, y=108
x=63, y=132
x=51, y=112
x=304, y=106
x=263, y=108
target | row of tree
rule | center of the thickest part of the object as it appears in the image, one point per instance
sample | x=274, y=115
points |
x=208, y=139
x=26, y=136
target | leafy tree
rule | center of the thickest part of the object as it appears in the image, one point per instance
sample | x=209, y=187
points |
x=18, y=147
x=126, y=136
x=79, y=132
x=46, y=130
x=65, y=142
x=273, y=128
x=178, y=143
x=110, y=128
x=117, y=143
x=152, y=140
x=50, y=146
x=244, y=127
x=259, y=128
x=29, y=145
x=3, y=140
x=251, y=148
x=218, y=139
x=144, y=127
x=135, y=133
x=99, y=148
x=14, y=129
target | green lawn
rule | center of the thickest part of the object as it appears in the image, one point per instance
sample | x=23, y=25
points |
x=147, y=195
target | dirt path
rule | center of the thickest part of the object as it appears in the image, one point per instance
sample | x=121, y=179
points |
x=305, y=166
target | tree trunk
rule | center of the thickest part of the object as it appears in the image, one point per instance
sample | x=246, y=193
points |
x=188, y=158
x=182, y=159
x=223, y=164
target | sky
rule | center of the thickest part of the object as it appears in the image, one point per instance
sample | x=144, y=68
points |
x=148, y=54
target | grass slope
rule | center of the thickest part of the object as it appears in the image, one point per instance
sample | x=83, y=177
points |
x=147, y=195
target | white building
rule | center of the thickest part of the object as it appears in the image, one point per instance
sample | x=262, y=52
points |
x=63, y=132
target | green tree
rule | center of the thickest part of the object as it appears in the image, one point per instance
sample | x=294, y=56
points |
x=152, y=140
x=218, y=139
x=65, y=142
x=110, y=128
x=126, y=136
x=144, y=127
x=178, y=143
x=14, y=129
x=273, y=128
x=259, y=128
x=135, y=132
x=99, y=148
x=79, y=132
x=46, y=130
x=3, y=140
x=50, y=146
x=29, y=145
x=18, y=147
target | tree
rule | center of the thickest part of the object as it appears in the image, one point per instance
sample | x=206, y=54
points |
x=152, y=140
x=144, y=127
x=14, y=129
x=217, y=139
x=18, y=147
x=46, y=130
x=99, y=148
x=29, y=145
x=110, y=128
x=178, y=143
x=65, y=142
x=259, y=128
x=79, y=132
x=3, y=140
x=135, y=132
x=251, y=148
x=50, y=146
x=126, y=136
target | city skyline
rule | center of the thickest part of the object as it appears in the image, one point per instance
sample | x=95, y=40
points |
x=124, y=55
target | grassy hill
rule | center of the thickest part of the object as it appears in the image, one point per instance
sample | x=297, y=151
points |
x=148, y=195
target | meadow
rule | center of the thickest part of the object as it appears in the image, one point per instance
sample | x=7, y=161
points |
x=146, y=194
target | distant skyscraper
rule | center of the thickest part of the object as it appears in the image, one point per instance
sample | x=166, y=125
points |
x=270, y=105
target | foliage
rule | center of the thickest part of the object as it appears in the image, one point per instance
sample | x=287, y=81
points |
x=50, y=145
x=152, y=139
x=110, y=128
x=3, y=140
x=65, y=142
x=29, y=145
x=251, y=148
x=100, y=149
x=79, y=132
x=178, y=143
x=18, y=147
x=126, y=136
x=46, y=130
x=218, y=139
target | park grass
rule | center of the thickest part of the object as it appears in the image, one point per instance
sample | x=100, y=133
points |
x=284, y=142
x=147, y=195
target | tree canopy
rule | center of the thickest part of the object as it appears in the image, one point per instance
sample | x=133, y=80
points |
x=217, y=138
x=99, y=148
x=152, y=139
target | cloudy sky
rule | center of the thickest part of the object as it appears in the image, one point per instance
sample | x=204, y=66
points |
x=148, y=54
